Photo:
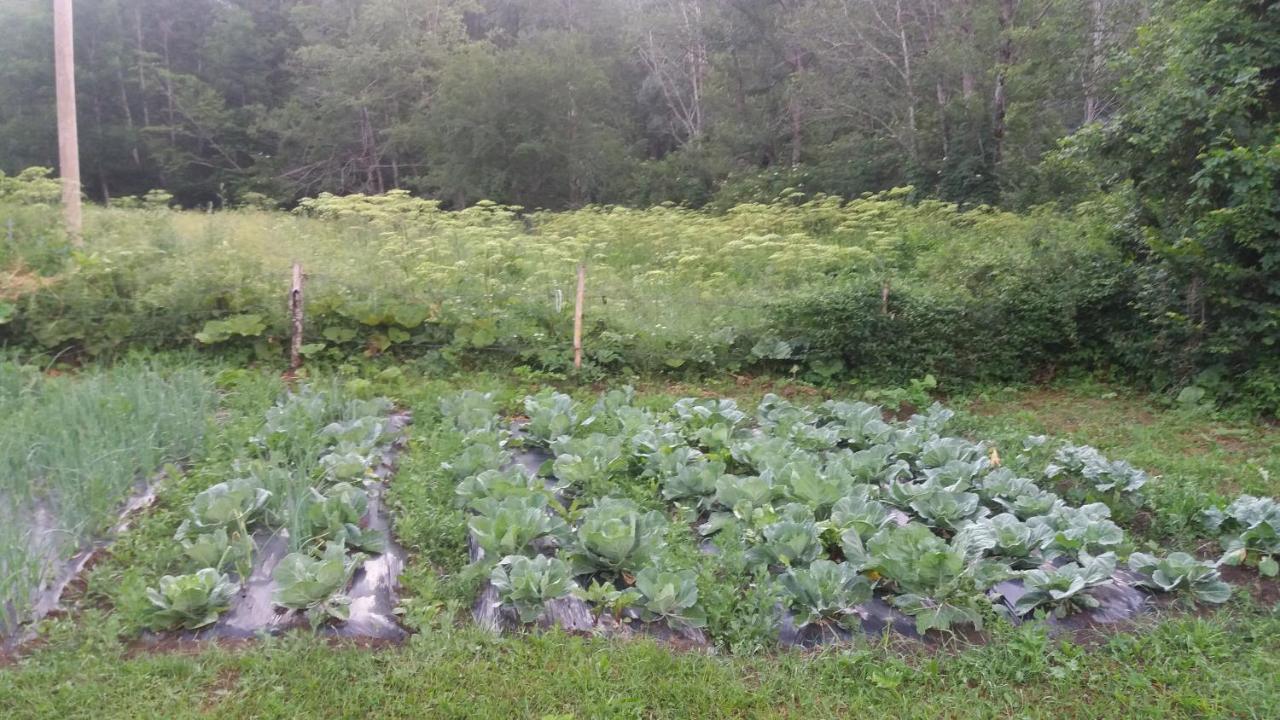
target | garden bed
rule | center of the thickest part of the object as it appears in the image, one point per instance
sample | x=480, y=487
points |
x=836, y=519
x=302, y=537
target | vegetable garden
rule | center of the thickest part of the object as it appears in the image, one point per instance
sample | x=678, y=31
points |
x=831, y=514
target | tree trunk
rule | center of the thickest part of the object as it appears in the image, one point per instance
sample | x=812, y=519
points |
x=796, y=108
x=1097, y=60
x=1004, y=58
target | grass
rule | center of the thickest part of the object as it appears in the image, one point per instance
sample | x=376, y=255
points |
x=71, y=449
x=1219, y=664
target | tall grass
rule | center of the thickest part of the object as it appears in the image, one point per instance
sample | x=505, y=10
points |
x=72, y=448
x=666, y=286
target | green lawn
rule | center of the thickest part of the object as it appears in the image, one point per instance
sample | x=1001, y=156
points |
x=1221, y=663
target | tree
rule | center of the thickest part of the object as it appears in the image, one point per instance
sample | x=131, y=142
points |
x=1198, y=141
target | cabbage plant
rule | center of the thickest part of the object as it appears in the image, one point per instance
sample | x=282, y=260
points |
x=946, y=509
x=335, y=515
x=220, y=549
x=1103, y=475
x=860, y=513
x=551, y=415
x=858, y=423
x=875, y=464
x=476, y=458
x=788, y=543
x=615, y=536
x=939, y=584
x=694, y=480
x=1064, y=590
x=823, y=591
x=315, y=585
x=529, y=584
x=755, y=490
x=1008, y=537
x=582, y=461
x=233, y=504
x=471, y=411
x=1249, y=531
x=362, y=434
x=1086, y=529
x=345, y=464
x=1180, y=571
x=189, y=601
x=511, y=525
x=498, y=484
x=808, y=484
x=671, y=595
x=939, y=451
x=695, y=413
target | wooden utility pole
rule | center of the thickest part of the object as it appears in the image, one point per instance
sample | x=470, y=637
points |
x=64, y=63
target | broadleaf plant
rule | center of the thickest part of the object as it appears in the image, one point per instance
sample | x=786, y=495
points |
x=1064, y=590
x=529, y=584
x=189, y=601
x=615, y=536
x=670, y=595
x=315, y=585
x=1180, y=571
x=823, y=591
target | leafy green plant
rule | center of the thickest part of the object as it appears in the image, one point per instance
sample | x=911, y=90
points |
x=858, y=423
x=937, y=582
x=498, y=484
x=1180, y=571
x=189, y=601
x=613, y=535
x=694, y=480
x=345, y=464
x=695, y=414
x=875, y=464
x=946, y=509
x=1249, y=529
x=233, y=504
x=823, y=591
x=754, y=490
x=859, y=513
x=471, y=411
x=476, y=458
x=315, y=585
x=529, y=584
x=1103, y=475
x=939, y=451
x=219, y=550
x=1086, y=529
x=582, y=462
x=1064, y=590
x=808, y=484
x=511, y=525
x=552, y=415
x=246, y=325
x=604, y=596
x=335, y=516
x=1009, y=538
x=788, y=543
x=670, y=595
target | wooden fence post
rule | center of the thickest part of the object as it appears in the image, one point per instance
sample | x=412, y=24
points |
x=295, y=313
x=577, y=317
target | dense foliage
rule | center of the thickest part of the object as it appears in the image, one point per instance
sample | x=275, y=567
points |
x=553, y=104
